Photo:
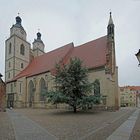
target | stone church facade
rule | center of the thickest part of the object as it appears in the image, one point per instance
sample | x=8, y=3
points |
x=29, y=71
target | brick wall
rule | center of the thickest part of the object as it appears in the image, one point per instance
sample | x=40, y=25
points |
x=2, y=95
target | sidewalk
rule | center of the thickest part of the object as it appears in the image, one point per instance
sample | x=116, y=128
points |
x=135, y=135
x=125, y=130
x=26, y=129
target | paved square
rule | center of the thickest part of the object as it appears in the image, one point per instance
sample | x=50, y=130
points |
x=66, y=125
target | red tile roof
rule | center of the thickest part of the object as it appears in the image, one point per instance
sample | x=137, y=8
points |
x=93, y=54
x=135, y=88
x=130, y=87
x=45, y=62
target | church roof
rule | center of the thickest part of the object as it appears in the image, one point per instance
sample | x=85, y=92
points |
x=135, y=88
x=93, y=55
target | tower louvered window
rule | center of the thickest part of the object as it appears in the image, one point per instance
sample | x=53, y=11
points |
x=22, y=49
x=10, y=48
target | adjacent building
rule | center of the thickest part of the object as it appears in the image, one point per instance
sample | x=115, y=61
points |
x=2, y=94
x=29, y=71
x=130, y=96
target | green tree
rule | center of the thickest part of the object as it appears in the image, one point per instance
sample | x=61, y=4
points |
x=72, y=86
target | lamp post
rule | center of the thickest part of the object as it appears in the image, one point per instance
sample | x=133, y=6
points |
x=1, y=75
x=138, y=56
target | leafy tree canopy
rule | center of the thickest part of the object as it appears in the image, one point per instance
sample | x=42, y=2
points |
x=72, y=86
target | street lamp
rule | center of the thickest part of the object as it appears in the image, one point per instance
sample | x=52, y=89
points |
x=138, y=57
x=1, y=75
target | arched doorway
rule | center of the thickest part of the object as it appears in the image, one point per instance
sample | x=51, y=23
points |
x=31, y=90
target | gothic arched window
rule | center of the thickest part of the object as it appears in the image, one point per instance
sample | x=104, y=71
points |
x=97, y=87
x=22, y=49
x=31, y=90
x=10, y=48
x=42, y=90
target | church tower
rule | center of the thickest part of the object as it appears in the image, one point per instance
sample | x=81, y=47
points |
x=17, y=50
x=38, y=46
x=111, y=61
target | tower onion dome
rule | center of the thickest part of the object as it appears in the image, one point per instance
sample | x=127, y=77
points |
x=18, y=20
x=38, y=36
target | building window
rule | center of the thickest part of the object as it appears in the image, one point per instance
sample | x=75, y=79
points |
x=97, y=90
x=97, y=87
x=22, y=49
x=11, y=87
x=21, y=65
x=43, y=90
x=20, y=87
x=9, y=75
x=9, y=64
x=10, y=48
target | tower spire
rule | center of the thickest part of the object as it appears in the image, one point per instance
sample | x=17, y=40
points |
x=110, y=19
x=110, y=27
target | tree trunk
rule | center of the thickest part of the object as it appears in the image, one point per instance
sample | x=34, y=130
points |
x=74, y=109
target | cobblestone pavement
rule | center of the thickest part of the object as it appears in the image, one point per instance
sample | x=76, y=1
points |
x=66, y=125
x=26, y=129
x=135, y=135
x=6, y=129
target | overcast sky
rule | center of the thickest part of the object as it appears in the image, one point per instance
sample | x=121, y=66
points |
x=79, y=21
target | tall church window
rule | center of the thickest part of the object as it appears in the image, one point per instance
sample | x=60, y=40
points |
x=31, y=90
x=43, y=89
x=22, y=49
x=97, y=90
x=10, y=48
x=97, y=87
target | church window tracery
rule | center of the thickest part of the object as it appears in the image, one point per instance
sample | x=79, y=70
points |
x=97, y=87
x=43, y=89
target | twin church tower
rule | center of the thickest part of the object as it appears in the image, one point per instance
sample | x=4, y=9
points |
x=18, y=50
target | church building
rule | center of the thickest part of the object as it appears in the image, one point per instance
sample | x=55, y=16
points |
x=29, y=71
